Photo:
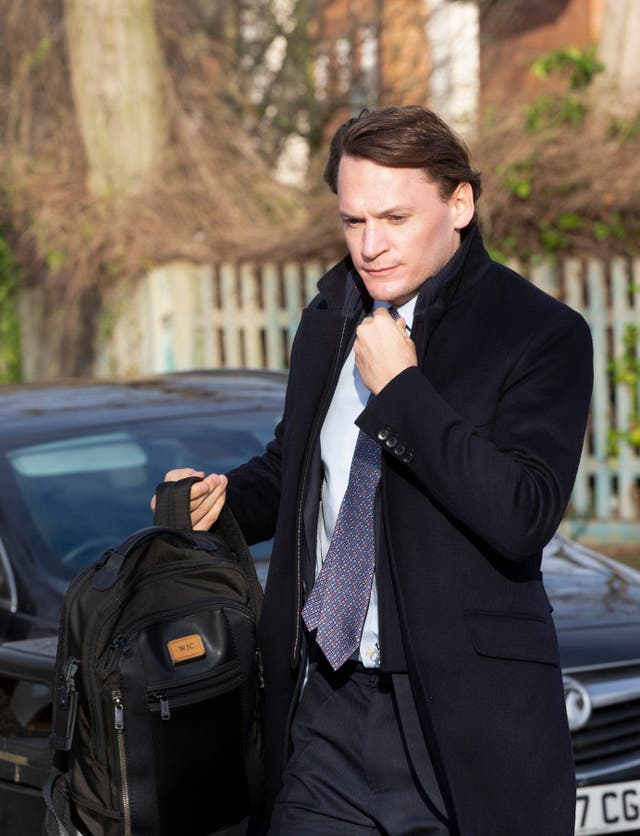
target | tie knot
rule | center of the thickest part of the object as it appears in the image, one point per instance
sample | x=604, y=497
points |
x=393, y=312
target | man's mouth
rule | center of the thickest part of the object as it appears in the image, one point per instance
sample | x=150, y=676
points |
x=379, y=271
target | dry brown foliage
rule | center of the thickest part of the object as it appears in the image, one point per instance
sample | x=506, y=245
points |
x=213, y=196
x=584, y=198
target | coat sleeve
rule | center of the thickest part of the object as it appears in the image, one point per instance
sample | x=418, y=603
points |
x=512, y=488
x=253, y=492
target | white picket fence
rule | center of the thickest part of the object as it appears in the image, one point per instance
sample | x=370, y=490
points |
x=185, y=316
x=182, y=316
x=607, y=294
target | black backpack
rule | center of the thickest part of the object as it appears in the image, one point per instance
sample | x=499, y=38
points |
x=157, y=684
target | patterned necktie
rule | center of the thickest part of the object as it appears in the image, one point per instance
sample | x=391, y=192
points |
x=339, y=600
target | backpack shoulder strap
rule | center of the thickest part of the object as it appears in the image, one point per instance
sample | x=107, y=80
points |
x=228, y=529
x=58, y=821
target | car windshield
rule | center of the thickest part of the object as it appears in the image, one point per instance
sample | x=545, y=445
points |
x=88, y=492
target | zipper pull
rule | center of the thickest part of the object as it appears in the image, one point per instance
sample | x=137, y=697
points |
x=165, y=712
x=119, y=645
x=67, y=706
x=69, y=672
x=259, y=668
x=118, y=713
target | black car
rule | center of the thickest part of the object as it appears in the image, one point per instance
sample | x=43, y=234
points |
x=78, y=464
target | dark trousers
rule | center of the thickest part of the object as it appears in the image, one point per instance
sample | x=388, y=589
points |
x=351, y=771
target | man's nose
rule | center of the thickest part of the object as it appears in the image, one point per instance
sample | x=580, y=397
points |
x=374, y=241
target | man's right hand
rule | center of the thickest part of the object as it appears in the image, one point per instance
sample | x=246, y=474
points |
x=207, y=497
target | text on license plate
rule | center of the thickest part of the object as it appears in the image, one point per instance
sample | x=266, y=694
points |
x=608, y=808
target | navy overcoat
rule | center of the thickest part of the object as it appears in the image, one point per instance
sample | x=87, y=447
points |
x=481, y=444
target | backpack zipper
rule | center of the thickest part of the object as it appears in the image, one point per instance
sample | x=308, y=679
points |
x=112, y=654
x=259, y=668
x=149, y=577
x=179, y=696
x=66, y=706
x=120, y=642
x=118, y=725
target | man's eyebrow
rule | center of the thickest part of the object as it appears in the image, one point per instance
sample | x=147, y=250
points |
x=381, y=213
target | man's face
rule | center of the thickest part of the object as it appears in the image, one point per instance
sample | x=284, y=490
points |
x=398, y=229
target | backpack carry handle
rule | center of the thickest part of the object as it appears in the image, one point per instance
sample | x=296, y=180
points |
x=171, y=514
x=172, y=517
x=172, y=509
x=172, y=503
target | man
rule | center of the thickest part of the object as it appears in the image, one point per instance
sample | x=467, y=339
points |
x=436, y=706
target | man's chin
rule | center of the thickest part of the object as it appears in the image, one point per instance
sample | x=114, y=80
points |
x=389, y=295
x=381, y=290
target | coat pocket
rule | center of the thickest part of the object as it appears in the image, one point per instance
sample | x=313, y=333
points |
x=517, y=636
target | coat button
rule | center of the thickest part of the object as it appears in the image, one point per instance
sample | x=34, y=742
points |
x=408, y=457
x=391, y=441
x=383, y=434
x=400, y=450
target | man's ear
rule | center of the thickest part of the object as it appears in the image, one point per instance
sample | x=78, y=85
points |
x=463, y=205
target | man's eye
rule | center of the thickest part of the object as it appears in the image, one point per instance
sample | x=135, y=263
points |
x=397, y=219
x=351, y=222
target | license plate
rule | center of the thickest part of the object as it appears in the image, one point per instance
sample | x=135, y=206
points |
x=608, y=808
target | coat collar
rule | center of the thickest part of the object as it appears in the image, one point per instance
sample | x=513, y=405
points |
x=342, y=288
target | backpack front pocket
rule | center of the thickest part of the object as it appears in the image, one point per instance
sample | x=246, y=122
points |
x=185, y=751
x=199, y=752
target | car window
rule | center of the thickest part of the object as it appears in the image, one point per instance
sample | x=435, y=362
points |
x=86, y=493
x=106, y=453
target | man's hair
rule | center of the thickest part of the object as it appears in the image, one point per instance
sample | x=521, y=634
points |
x=404, y=137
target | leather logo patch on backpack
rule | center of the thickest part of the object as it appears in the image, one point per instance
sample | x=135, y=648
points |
x=186, y=648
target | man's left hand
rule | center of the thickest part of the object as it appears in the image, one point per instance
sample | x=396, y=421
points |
x=382, y=349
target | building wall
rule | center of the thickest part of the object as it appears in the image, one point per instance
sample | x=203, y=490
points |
x=514, y=33
x=457, y=56
x=404, y=53
x=372, y=52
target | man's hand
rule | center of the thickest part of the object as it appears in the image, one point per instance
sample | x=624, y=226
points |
x=382, y=349
x=207, y=497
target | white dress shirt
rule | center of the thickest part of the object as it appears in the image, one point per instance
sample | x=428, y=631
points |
x=337, y=444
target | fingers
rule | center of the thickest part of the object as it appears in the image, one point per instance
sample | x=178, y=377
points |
x=175, y=476
x=399, y=322
x=401, y=325
x=181, y=473
x=376, y=332
x=382, y=349
x=206, y=499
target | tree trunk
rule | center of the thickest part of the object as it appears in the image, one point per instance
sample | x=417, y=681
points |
x=116, y=74
x=617, y=89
